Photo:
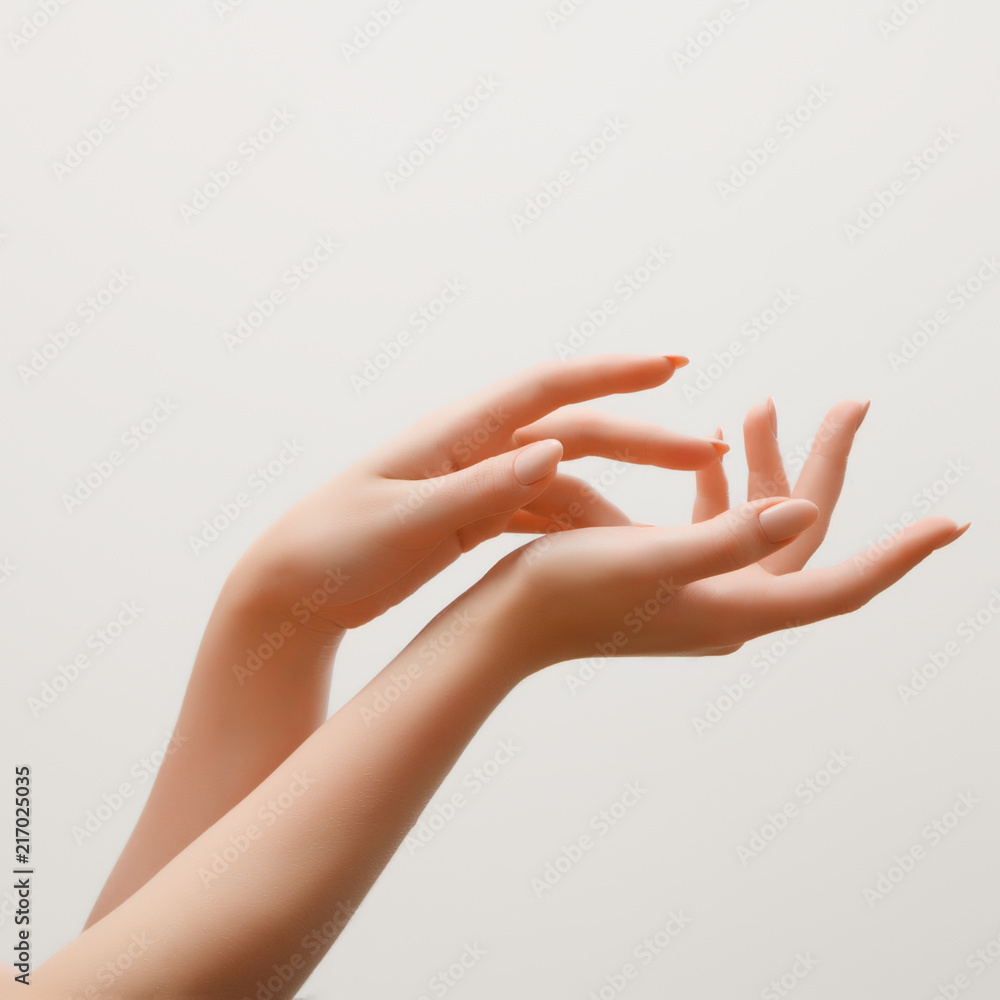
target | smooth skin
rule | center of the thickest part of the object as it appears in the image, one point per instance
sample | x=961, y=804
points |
x=357, y=546
x=345, y=791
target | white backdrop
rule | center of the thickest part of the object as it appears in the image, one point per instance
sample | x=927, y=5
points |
x=171, y=167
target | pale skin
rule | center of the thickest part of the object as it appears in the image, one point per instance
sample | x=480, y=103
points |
x=298, y=813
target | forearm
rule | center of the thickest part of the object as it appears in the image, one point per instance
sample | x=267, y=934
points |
x=266, y=883
x=258, y=688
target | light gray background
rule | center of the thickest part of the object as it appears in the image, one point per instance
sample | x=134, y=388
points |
x=835, y=689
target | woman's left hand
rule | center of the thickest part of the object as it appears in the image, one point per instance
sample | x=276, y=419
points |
x=466, y=472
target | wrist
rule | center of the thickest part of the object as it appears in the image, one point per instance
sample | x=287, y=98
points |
x=522, y=639
x=255, y=592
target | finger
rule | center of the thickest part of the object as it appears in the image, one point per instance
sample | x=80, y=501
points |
x=584, y=431
x=428, y=510
x=489, y=418
x=569, y=502
x=712, y=497
x=760, y=436
x=820, y=481
x=813, y=594
x=737, y=538
x=522, y=522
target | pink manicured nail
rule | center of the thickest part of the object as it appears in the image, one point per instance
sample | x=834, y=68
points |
x=957, y=533
x=864, y=410
x=787, y=518
x=772, y=415
x=677, y=360
x=720, y=445
x=537, y=461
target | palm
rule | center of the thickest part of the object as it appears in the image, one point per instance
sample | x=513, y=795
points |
x=647, y=590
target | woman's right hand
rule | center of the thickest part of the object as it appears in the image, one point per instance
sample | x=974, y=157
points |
x=370, y=537
x=708, y=587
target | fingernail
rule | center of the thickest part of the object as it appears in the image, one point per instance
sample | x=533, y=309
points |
x=677, y=360
x=772, y=414
x=864, y=410
x=537, y=461
x=787, y=518
x=957, y=533
x=720, y=446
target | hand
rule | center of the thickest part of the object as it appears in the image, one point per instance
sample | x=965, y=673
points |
x=464, y=473
x=732, y=575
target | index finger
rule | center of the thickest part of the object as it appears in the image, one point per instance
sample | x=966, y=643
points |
x=525, y=396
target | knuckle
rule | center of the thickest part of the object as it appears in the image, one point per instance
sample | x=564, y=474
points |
x=484, y=482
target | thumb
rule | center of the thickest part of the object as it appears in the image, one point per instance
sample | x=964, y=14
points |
x=497, y=485
x=737, y=537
